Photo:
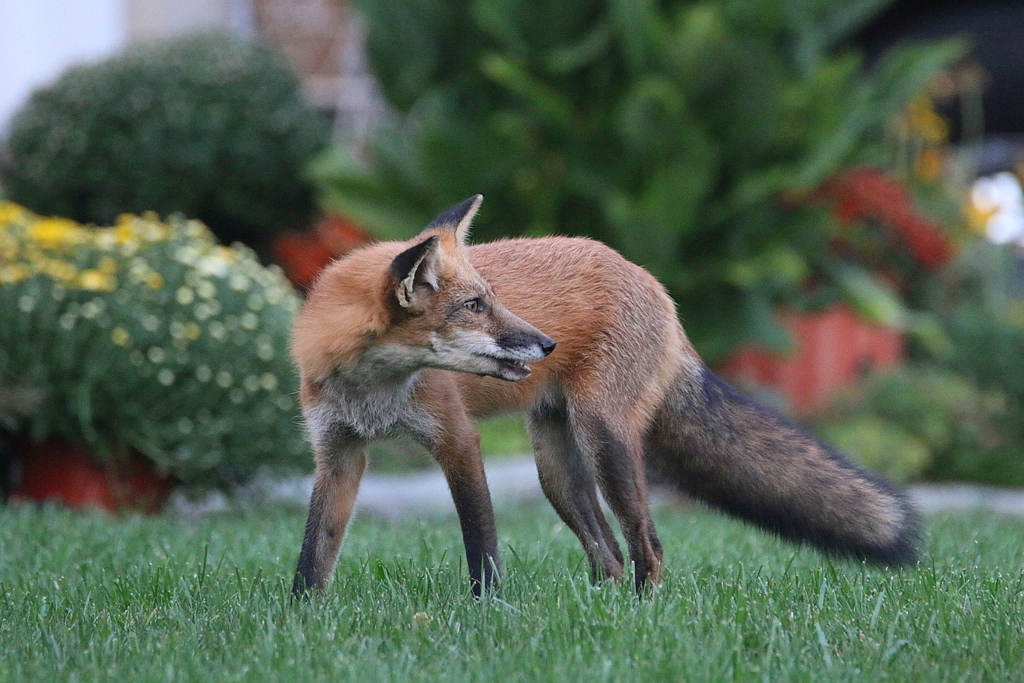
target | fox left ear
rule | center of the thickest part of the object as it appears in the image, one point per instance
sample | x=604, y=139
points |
x=417, y=265
x=459, y=217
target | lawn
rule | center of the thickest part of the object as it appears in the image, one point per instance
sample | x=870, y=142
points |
x=89, y=597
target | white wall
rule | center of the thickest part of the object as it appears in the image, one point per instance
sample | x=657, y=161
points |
x=39, y=39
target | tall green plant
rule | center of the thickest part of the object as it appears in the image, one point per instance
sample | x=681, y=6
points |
x=682, y=133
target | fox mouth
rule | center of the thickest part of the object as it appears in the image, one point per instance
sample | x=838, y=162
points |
x=513, y=370
x=508, y=369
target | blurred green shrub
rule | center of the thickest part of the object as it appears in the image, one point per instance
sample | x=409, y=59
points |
x=926, y=421
x=206, y=125
x=687, y=135
x=956, y=412
x=881, y=445
x=981, y=303
x=150, y=335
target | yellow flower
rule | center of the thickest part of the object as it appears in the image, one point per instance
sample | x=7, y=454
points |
x=95, y=280
x=154, y=280
x=107, y=266
x=979, y=214
x=120, y=336
x=123, y=232
x=929, y=164
x=13, y=274
x=58, y=270
x=926, y=122
x=8, y=246
x=55, y=232
x=12, y=213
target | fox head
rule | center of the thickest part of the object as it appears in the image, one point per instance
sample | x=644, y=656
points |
x=445, y=315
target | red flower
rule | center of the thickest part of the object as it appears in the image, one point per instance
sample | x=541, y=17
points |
x=869, y=194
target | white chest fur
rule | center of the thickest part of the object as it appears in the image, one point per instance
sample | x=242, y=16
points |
x=372, y=400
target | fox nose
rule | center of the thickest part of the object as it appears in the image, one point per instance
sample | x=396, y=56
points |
x=547, y=345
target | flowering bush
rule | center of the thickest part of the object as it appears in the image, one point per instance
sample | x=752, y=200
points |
x=149, y=335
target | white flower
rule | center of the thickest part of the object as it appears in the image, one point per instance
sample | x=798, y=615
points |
x=93, y=308
x=185, y=296
x=206, y=289
x=213, y=265
x=239, y=282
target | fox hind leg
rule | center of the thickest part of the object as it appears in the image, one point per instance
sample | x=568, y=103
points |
x=618, y=455
x=569, y=481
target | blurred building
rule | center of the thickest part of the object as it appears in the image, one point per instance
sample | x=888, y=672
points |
x=995, y=29
x=41, y=38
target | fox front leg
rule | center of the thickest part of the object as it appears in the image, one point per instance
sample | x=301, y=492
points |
x=448, y=433
x=335, y=486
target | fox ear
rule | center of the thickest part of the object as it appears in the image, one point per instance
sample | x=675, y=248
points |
x=417, y=265
x=459, y=217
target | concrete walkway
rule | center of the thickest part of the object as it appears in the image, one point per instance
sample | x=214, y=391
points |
x=514, y=480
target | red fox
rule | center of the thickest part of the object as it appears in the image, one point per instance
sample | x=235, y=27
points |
x=414, y=338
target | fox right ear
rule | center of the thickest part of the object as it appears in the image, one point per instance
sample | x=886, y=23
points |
x=417, y=265
x=459, y=217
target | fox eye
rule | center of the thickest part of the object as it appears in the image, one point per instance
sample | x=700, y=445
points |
x=474, y=305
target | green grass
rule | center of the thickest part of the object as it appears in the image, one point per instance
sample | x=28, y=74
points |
x=87, y=597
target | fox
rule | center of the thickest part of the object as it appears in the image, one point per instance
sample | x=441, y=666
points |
x=418, y=338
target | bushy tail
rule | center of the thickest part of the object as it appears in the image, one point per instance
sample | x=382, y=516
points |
x=743, y=459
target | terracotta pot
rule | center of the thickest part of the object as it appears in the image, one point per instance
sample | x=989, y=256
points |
x=834, y=348
x=69, y=474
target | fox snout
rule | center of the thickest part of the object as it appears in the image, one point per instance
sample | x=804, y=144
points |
x=516, y=349
x=528, y=344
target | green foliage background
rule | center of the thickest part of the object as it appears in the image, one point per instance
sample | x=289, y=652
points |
x=684, y=134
